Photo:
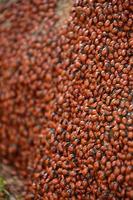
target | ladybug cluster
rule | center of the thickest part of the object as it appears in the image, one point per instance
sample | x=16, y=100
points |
x=66, y=98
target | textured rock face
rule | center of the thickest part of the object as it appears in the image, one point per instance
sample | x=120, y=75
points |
x=66, y=98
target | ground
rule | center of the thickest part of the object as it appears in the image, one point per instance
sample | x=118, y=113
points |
x=10, y=185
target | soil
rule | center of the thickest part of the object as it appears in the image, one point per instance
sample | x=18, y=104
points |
x=11, y=186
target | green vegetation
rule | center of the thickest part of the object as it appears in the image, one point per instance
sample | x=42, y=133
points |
x=4, y=194
x=2, y=184
x=2, y=1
